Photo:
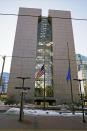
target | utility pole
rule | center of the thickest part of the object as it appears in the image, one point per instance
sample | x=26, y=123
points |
x=81, y=98
x=3, y=57
x=70, y=80
x=21, y=104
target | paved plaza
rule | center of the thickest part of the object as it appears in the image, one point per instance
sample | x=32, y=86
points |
x=42, y=122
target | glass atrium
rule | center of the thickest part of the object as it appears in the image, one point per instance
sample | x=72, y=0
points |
x=44, y=57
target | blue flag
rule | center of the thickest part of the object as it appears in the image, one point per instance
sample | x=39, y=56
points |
x=68, y=75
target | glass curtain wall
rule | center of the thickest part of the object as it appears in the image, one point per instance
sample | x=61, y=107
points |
x=44, y=57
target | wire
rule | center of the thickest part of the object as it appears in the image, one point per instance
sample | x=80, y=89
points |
x=20, y=57
x=17, y=56
x=81, y=19
x=43, y=58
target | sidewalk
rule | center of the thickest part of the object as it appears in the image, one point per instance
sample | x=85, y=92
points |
x=42, y=122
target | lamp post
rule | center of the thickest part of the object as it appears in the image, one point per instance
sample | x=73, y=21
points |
x=21, y=104
x=81, y=97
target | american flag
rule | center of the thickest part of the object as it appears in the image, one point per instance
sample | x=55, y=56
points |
x=40, y=73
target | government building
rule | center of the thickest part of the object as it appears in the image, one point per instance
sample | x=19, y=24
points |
x=44, y=41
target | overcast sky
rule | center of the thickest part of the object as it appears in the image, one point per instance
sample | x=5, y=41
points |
x=8, y=24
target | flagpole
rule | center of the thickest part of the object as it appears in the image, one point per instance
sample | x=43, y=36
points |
x=70, y=78
x=44, y=75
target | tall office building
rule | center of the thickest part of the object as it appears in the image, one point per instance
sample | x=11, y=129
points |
x=82, y=71
x=81, y=62
x=43, y=41
x=4, y=83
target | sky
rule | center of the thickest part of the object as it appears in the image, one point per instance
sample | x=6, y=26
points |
x=8, y=24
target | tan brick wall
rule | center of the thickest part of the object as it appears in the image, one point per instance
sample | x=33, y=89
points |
x=24, y=46
x=61, y=34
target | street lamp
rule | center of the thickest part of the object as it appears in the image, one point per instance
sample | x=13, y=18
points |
x=21, y=104
x=79, y=80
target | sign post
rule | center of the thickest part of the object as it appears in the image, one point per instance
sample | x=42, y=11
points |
x=21, y=115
